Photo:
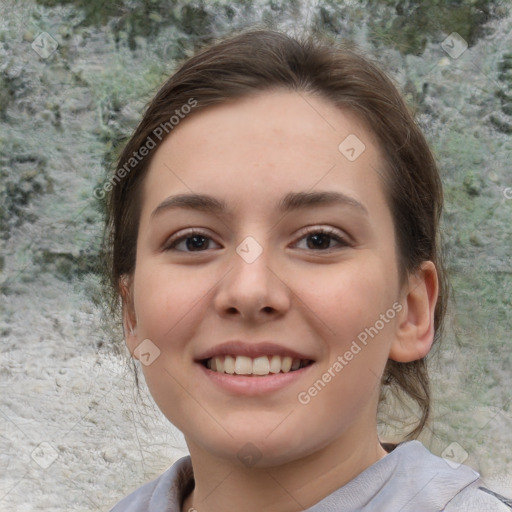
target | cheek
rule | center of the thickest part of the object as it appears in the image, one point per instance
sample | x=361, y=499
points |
x=166, y=301
x=164, y=297
x=358, y=323
x=352, y=297
x=357, y=338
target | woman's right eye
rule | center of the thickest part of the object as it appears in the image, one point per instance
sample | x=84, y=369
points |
x=191, y=241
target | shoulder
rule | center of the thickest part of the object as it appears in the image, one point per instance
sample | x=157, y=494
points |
x=452, y=487
x=477, y=498
x=412, y=479
x=163, y=493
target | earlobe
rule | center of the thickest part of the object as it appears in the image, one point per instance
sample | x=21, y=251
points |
x=415, y=324
x=129, y=317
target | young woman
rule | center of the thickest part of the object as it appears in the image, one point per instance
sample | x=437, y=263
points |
x=273, y=229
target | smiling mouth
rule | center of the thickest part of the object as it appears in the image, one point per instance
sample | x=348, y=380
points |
x=257, y=366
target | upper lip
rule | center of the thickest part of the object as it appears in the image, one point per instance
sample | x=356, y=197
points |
x=252, y=350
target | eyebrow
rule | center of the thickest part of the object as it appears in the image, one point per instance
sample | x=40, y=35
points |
x=290, y=202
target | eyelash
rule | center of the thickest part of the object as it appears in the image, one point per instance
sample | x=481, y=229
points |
x=332, y=233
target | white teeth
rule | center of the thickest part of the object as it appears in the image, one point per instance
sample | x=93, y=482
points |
x=243, y=365
x=275, y=364
x=262, y=365
x=229, y=365
x=286, y=364
x=219, y=363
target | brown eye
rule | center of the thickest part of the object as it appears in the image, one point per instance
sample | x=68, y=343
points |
x=320, y=239
x=192, y=241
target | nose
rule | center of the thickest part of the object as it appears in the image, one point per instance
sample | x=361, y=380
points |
x=254, y=289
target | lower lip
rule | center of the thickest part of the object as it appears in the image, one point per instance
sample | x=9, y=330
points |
x=257, y=385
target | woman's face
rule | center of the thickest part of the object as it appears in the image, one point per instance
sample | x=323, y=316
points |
x=259, y=283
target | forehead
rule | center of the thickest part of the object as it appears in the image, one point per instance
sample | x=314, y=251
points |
x=254, y=150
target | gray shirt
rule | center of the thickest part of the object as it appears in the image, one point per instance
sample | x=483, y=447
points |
x=409, y=479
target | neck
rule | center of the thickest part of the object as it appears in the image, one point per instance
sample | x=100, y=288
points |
x=221, y=484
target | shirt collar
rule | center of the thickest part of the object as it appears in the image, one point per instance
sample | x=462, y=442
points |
x=410, y=478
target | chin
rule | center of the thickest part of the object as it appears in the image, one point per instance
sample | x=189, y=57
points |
x=257, y=448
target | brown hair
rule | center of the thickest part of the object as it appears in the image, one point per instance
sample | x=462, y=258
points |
x=260, y=60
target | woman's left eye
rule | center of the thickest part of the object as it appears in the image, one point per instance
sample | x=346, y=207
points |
x=321, y=239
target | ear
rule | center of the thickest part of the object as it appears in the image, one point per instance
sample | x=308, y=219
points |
x=129, y=317
x=415, y=323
